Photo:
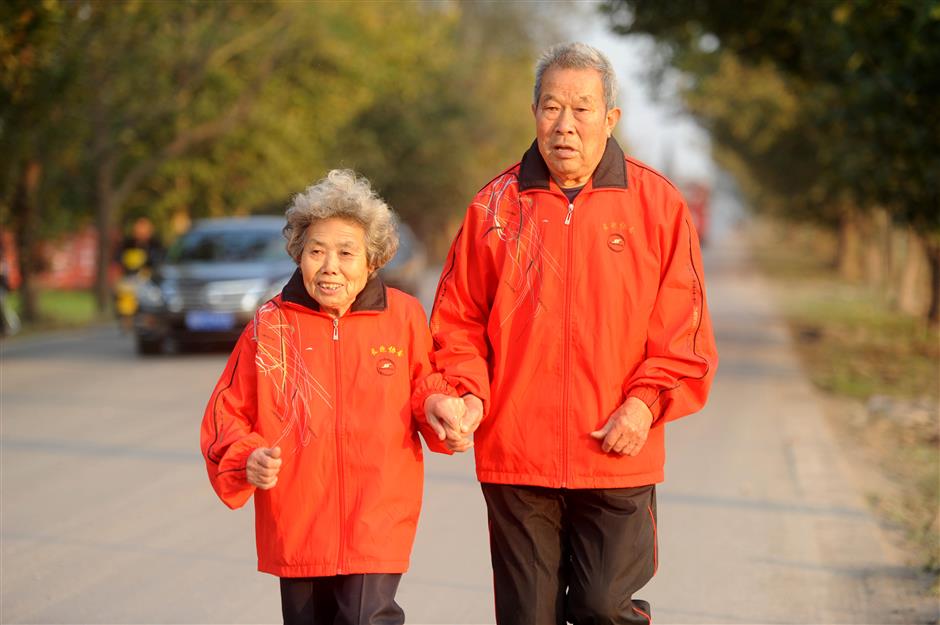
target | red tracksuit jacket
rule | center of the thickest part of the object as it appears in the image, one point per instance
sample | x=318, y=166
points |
x=554, y=313
x=336, y=396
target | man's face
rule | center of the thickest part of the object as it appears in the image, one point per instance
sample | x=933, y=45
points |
x=572, y=123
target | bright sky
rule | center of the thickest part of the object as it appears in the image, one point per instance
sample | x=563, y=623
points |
x=656, y=130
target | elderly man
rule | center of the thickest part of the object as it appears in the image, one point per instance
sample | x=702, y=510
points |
x=571, y=316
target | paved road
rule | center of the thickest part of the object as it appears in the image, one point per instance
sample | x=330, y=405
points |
x=107, y=515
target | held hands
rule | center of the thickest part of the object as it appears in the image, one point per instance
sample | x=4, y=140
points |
x=627, y=428
x=454, y=419
x=474, y=414
x=264, y=463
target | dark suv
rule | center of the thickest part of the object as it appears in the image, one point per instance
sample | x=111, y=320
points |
x=214, y=278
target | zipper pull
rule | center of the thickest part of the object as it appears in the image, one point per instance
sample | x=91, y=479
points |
x=570, y=210
x=335, y=329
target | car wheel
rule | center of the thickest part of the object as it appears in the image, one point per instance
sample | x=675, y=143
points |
x=149, y=347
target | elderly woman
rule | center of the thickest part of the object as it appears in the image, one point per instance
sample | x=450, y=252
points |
x=318, y=411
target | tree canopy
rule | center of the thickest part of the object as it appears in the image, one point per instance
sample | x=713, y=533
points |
x=188, y=109
x=814, y=104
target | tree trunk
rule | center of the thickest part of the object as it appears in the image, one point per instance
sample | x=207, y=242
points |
x=104, y=198
x=877, y=242
x=26, y=210
x=874, y=262
x=104, y=216
x=847, y=250
x=887, y=251
x=908, y=300
x=933, y=262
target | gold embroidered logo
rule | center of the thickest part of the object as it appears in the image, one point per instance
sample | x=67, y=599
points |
x=391, y=350
x=387, y=355
x=616, y=241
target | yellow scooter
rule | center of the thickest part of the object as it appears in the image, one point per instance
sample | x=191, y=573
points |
x=125, y=290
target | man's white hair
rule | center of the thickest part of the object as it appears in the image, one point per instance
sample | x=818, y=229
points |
x=577, y=55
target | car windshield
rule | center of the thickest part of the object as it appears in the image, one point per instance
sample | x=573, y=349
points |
x=228, y=246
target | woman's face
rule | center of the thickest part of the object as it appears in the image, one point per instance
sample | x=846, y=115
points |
x=333, y=263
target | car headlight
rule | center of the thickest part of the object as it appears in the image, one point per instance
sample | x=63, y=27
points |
x=149, y=295
x=275, y=289
x=262, y=293
x=172, y=297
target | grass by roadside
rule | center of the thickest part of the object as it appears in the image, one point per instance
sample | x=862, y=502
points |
x=880, y=370
x=60, y=309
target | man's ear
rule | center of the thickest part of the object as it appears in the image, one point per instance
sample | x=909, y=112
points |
x=613, y=116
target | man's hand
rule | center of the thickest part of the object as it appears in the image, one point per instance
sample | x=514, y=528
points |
x=627, y=428
x=264, y=463
x=445, y=415
x=474, y=415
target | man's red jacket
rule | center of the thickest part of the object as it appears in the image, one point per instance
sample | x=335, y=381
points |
x=554, y=313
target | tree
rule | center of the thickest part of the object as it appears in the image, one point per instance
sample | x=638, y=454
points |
x=189, y=109
x=34, y=73
x=867, y=71
x=159, y=80
x=429, y=147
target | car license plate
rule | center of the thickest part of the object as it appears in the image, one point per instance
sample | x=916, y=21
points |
x=209, y=321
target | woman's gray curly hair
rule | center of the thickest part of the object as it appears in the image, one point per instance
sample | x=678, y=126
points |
x=345, y=195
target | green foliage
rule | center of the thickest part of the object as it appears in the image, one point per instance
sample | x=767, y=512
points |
x=207, y=108
x=36, y=66
x=60, y=309
x=865, y=74
x=853, y=342
x=430, y=147
x=758, y=124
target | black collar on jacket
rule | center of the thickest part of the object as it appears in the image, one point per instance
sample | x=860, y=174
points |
x=611, y=172
x=371, y=298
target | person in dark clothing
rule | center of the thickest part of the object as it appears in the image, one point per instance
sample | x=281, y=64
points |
x=141, y=250
x=139, y=254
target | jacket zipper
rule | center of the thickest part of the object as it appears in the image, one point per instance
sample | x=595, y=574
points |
x=567, y=365
x=339, y=452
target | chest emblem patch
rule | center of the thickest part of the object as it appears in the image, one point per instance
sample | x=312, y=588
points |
x=385, y=366
x=385, y=357
x=616, y=242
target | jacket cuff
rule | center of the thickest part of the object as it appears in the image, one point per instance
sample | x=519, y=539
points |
x=463, y=389
x=231, y=481
x=431, y=384
x=649, y=396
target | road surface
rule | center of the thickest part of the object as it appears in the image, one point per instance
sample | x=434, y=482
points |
x=107, y=515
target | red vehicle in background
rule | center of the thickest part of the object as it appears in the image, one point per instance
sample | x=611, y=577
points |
x=698, y=197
